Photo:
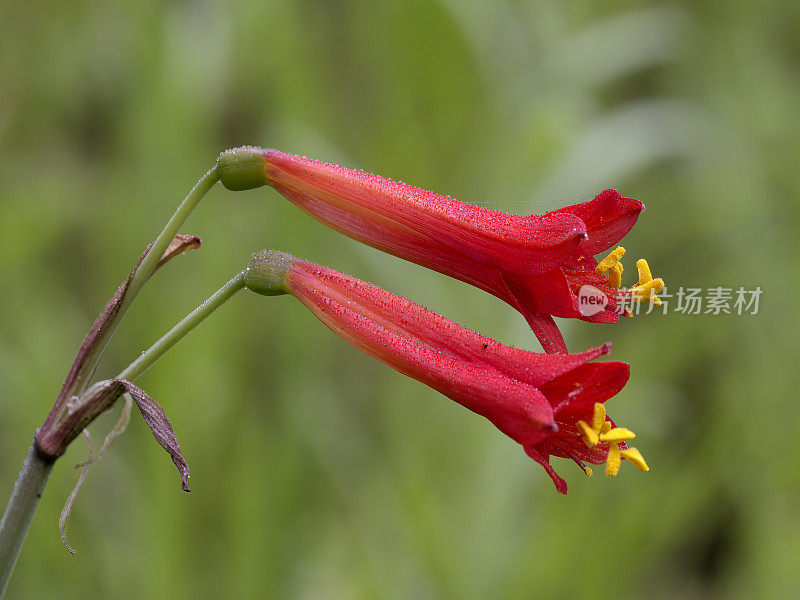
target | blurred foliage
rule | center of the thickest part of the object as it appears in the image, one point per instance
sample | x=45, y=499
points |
x=317, y=472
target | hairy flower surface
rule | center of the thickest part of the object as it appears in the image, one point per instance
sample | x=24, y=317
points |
x=542, y=401
x=535, y=263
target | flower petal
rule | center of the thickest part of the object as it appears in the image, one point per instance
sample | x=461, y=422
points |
x=561, y=485
x=608, y=217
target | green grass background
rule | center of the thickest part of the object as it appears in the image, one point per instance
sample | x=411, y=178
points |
x=316, y=471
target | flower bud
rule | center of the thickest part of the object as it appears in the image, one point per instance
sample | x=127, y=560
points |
x=242, y=168
x=266, y=272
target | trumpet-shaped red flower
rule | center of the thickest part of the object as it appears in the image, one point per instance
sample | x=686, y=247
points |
x=536, y=263
x=544, y=402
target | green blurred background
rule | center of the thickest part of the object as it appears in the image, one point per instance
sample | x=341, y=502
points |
x=316, y=471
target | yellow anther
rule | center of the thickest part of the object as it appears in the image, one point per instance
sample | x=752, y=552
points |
x=647, y=287
x=602, y=431
x=592, y=435
x=644, y=271
x=618, y=434
x=609, y=261
x=615, y=276
x=643, y=292
x=598, y=417
x=633, y=455
x=588, y=470
x=613, y=461
x=589, y=435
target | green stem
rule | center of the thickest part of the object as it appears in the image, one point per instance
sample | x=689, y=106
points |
x=19, y=512
x=146, y=269
x=35, y=471
x=189, y=322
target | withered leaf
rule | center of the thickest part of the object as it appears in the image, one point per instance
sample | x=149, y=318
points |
x=159, y=424
x=180, y=243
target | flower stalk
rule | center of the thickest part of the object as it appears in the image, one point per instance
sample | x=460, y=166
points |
x=36, y=469
x=144, y=271
x=76, y=406
x=18, y=514
x=189, y=322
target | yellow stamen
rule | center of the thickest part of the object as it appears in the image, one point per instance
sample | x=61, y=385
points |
x=613, y=461
x=598, y=417
x=615, y=276
x=609, y=261
x=643, y=291
x=618, y=434
x=588, y=434
x=644, y=271
x=588, y=470
x=633, y=455
x=602, y=431
x=647, y=287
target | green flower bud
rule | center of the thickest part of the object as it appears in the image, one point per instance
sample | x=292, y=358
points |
x=242, y=168
x=266, y=272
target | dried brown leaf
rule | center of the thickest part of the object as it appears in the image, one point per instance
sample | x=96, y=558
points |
x=180, y=243
x=159, y=424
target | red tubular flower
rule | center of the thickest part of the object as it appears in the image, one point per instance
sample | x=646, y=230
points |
x=536, y=263
x=544, y=402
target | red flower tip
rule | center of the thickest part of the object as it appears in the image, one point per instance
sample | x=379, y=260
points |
x=608, y=217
